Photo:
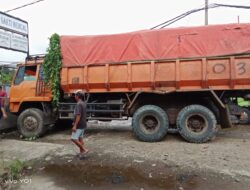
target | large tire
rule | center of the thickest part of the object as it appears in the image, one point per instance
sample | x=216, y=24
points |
x=246, y=119
x=150, y=123
x=30, y=123
x=196, y=124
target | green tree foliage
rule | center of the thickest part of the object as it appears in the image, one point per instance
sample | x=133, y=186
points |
x=6, y=75
x=52, y=66
x=243, y=103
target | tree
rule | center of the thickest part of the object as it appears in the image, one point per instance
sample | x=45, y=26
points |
x=6, y=75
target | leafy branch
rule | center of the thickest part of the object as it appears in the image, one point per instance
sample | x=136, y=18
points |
x=52, y=66
x=6, y=76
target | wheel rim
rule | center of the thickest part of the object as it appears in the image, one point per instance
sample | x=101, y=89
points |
x=149, y=124
x=196, y=123
x=30, y=123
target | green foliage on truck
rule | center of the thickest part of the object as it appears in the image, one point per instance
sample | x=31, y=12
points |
x=52, y=66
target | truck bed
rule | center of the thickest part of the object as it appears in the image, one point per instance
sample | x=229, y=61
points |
x=193, y=74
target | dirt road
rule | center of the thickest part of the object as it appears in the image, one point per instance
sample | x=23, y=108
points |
x=118, y=161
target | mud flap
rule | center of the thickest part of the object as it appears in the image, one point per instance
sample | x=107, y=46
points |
x=225, y=120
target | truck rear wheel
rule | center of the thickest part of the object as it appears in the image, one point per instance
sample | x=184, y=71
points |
x=196, y=124
x=30, y=123
x=150, y=123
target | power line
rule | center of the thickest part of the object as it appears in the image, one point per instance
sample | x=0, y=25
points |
x=183, y=15
x=173, y=20
x=233, y=6
x=25, y=5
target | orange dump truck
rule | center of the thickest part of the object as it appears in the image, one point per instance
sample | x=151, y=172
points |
x=182, y=80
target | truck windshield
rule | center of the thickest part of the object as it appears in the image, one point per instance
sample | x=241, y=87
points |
x=25, y=73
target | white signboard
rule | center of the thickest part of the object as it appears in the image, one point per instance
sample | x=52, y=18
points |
x=13, y=33
x=13, y=41
x=13, y=24
x=19, y=42
x=5, y=39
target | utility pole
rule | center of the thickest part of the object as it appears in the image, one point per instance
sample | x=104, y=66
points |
x=206, y=12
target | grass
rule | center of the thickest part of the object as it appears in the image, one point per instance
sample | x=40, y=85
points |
x=15, y=169
x=12, y=169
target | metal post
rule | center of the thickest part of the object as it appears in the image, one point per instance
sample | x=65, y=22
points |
x=206, y=12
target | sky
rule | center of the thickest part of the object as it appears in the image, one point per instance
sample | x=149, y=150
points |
x=93, y=17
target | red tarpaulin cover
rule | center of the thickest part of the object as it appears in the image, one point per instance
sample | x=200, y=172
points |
x=204, y=41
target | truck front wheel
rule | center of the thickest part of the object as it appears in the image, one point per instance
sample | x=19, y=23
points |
x=150, y=123
x=196, y=124
x=30, y=123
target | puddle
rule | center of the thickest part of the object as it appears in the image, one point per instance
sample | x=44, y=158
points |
x=87, y=174
x=105, y=177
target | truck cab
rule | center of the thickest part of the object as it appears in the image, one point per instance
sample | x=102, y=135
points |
x=30, y=99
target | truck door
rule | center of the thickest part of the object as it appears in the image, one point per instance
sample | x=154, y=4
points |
x=24, y=84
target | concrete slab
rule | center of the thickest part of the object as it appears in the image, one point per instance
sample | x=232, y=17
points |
x=26, y=151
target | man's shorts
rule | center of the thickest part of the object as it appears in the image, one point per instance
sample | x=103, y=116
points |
x=77, y=134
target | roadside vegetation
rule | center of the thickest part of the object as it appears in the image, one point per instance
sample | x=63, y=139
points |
x=243, y=103
x=6, y=75
x=10, y=172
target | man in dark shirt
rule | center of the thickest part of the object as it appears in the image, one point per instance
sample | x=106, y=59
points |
x=80, y=123
x=2, y=97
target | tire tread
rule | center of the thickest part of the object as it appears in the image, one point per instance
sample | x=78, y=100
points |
x=150, y=138
x=188, y=136
x=38, y=113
